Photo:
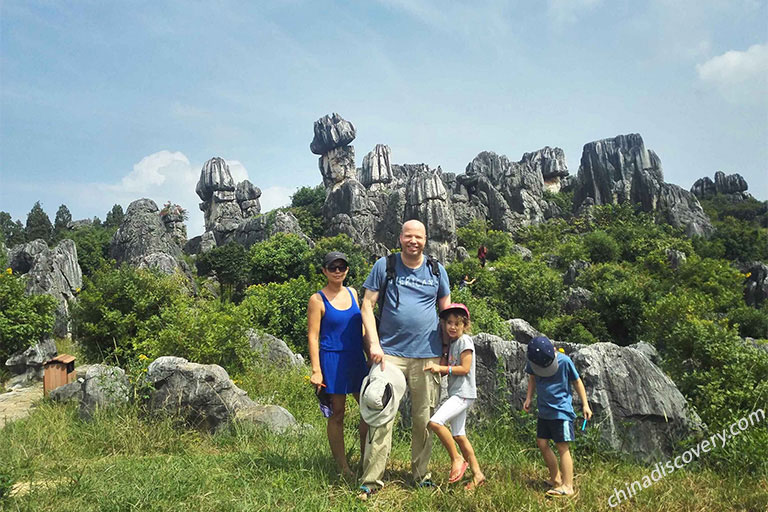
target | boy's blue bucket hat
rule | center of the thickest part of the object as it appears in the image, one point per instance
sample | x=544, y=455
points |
x=542, y=356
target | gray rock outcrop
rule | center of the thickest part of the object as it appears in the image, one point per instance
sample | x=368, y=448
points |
x=103, y=387
x=621, y=169
x=577, y=299
x=331, y=132
x=637, y=408
x=273, y=351
x=26, y=366
x=550, y=162
x=143, y=240
x=756, y=285
x=732, y=184
x=205, y=397
x=53, y=272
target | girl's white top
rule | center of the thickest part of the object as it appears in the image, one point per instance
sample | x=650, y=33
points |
x=462, y=385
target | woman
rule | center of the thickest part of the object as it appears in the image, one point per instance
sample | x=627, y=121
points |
x=335, y=336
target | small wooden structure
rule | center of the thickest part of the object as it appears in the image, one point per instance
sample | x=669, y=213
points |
x=58, y=371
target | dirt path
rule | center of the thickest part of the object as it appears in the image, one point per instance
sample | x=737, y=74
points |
x=16, y=404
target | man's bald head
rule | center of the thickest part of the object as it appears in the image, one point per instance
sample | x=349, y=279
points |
x=414, y=224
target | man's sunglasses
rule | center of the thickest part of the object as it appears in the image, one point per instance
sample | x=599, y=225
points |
x=334, y=268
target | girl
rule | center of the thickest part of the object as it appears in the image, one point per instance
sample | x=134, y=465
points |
x=461, y=387
x=335, y=336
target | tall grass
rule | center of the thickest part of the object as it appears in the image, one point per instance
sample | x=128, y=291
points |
x=122, y=460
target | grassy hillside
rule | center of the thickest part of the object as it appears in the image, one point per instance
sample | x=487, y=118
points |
x=121, y=461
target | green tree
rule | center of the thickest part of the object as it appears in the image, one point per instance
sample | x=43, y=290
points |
x=12, y=232
x=92, y=244
x=307, y=207
x=601, y=247
x=472, y=235
x=63, y=218
x=38, y=224
x=114, y=217
x=230, y=265
x=531, y=290
x=24, y=319
x=281, y=257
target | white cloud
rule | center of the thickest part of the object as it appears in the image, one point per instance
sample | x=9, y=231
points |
x=740, y=76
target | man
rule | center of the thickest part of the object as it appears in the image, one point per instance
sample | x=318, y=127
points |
x=408, y=338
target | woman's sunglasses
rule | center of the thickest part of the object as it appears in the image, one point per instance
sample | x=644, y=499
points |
x=334, y=268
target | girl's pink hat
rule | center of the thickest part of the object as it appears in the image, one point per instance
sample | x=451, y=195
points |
x=453, y=308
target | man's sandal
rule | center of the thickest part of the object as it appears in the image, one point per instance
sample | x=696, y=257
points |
x=365, y=492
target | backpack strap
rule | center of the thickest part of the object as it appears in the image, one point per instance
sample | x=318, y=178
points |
x=391, y=275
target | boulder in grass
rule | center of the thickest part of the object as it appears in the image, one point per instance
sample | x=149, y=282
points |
x=205, y=397
x=26, y=366
x=274, y=350
x=638, y=409
x=103, y=387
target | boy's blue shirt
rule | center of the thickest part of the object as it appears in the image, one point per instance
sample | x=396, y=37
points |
x=553, y=394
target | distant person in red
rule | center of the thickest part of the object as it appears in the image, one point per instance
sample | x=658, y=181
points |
x=482, y=252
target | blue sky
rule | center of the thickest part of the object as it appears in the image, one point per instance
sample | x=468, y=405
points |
x=107, y=102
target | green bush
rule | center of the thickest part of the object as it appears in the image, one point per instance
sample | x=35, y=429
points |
x=751, y=322
x=601, y=247
x=120, y=308
x=619, y=294
x=484, y=318
x=499, y=244
x=24, y=319
x=280, y=309
x=203, y=331
x=307, y=207
x=584, y=326
x=472, y=235
x=741, y=241
x=531, y=290
x=281, y=257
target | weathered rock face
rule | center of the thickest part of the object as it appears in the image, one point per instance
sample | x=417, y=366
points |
x=233, y=212
x=427, y=201
x=622, y=170
x=577, y=299
x=143, y=241
x=756, y=286
x=273, y=350
x=173, y=218
x=53, y=272
x=103, y=386
x=331, y=132
x=205, y=396
x=26, y=366
x=337, y=166
x=550, y=162
x=377, y=168
x=732, y=184
x=638, y=409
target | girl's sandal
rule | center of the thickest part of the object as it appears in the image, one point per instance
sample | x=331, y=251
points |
x=471, y=485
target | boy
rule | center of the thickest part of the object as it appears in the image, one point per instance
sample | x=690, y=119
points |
x=551, y=373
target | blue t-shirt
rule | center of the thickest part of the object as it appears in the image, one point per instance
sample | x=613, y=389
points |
x=409, y=330
x=553, y=394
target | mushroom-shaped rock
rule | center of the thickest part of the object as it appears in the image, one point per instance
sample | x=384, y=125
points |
x=331, y=132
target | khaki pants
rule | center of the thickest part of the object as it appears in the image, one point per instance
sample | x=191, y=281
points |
x=425, y=390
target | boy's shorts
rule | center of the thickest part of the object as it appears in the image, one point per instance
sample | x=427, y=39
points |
x=560, y=431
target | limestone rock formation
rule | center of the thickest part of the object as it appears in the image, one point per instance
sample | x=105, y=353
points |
x=273, y=350
x=53, y=272
x=331, y=132
x=577, y=299
x=103, y=386
x=732, y=184
x=638, y=408
x=26, y=366
x=428, y=201
x=205, y=396
x=550, y=162
x=247, y=195
x=377, y=168
x=621, y=169
x=217, y=190
x=143, y=240
x=756, y=286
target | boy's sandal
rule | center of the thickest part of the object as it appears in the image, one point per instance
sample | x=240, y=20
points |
x=365, y=492
x=427, y=484
x=559, y=493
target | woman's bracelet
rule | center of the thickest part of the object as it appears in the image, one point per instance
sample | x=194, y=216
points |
x=449, y=369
